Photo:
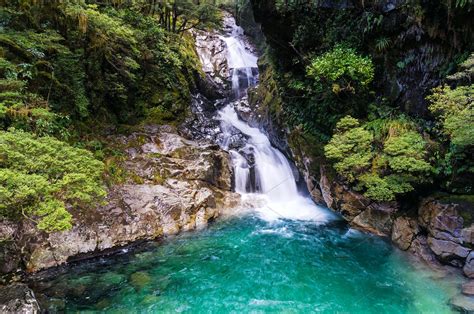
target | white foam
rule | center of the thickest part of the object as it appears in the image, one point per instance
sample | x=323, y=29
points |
x=273, y=178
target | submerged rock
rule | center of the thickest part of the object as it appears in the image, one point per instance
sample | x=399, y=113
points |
x=139, y=280
x=18, y=298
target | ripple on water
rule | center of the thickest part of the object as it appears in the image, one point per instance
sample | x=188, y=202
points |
x=246, y=264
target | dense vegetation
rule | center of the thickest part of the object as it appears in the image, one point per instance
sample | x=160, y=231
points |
x=381, y=91
x=71, y=71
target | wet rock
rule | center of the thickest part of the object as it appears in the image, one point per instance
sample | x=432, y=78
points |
x=404, y=231
x=468, y=268
x=448, y=251
x=326, y=189
x=377, y=218
x=421, y=250
x=463, y=304
x=468, y=288
x=18, y=298
x=139, y=280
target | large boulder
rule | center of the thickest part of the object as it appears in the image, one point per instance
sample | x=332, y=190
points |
x=361, y=212
x=404, y=232
x=18, y=299
x=447, y=237
x=377, y=218
x=463, y=304
x=173, y=185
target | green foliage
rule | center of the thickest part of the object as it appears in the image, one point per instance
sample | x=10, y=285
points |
x=454, y=109
x=454, y=112
x=383, y=159
x=405, y=153
x=105, y=61
x=350, y=147
x=42, y=178
x=342, y=66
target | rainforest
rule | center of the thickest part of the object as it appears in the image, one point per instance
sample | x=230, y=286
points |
x=223, y=156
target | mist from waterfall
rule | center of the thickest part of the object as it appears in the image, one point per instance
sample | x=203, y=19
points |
x=260, y=170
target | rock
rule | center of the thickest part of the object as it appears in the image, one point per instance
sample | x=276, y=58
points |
x=348, y=203
x=468, y=268
x=18, y=298
x=9, y=257
x=404, y=231
x=420, y=249
x=376, y=218
x=467, y=235
x=139, y=280
x=463, y=304
x=448, y=251
x=438, y=217
x=447, y=238
x=175, y=185
x=468, y=288
x=326, y=189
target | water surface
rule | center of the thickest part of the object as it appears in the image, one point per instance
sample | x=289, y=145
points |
x=246, y=264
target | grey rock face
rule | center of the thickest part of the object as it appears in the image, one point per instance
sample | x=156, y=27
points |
x=468, y=268
x=463, y=304
x=18, y=299
x=447, y=237
x=404, y=232
x=173, y=185
x=468, y=288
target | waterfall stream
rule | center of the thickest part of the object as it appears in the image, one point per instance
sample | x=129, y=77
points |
x=284, y=255
x=260, y=170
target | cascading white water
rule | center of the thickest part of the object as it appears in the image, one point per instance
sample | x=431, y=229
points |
x=269, y=174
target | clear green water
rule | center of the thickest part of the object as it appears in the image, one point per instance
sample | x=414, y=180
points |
x=246, y=265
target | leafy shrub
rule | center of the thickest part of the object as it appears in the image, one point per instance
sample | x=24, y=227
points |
x=41, y=178
x=454, y=109
x=343, y=68
x=383, y=162
x=350, y=147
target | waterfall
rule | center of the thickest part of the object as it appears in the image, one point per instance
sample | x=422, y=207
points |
x=260, y=170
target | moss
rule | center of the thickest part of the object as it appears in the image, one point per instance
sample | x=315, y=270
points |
x=158, y=179
x=137, y=141
x=115, y=173
x=136, y=178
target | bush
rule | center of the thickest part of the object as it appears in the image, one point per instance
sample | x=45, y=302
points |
x=454, y=110
x=350, y=147
x=383, y=162
x=41, y=178
x=343, y=68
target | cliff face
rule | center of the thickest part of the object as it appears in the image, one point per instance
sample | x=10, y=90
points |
x=413, y=44
x=172, y=185
x=422, y=42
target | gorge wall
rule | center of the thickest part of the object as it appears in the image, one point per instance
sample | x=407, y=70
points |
x=423, y=46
